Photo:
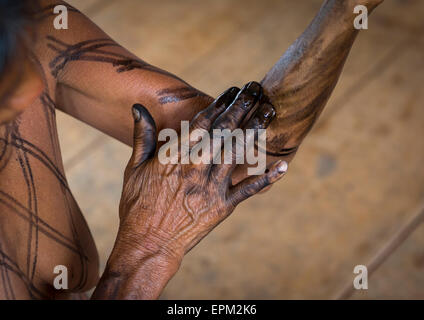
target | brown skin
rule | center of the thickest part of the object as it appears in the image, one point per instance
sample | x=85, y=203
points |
x=20, y=85
x=98, y=85
x=159, y=227
x=301, y=82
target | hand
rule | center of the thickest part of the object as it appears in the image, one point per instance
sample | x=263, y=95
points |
x=167, y=209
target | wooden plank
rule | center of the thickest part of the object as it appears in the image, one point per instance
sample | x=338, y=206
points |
x=96, y=184
x=401, y=276
x=353, y=182
x=90, y=7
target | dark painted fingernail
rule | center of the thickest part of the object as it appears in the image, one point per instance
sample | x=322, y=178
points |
x=227, y=97
x=136, y=112
x=269, y=112
x=265, y=114
x=234, y=90
x=250, y=94
x=254, y=89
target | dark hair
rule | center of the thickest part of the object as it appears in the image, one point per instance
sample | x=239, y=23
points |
x=15, y=15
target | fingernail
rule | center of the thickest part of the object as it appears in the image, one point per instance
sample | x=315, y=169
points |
x=254, y=89
x=136, y=112
x=265, y=114
x=282, y=167
x=269, y=113
x=228, y=97
x=250, y=94
x=234, y=90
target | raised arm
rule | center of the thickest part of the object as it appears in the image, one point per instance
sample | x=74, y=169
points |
x=301, y=82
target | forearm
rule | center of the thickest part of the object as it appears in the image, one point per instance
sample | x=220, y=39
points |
x=301, y=82
x=97, y=81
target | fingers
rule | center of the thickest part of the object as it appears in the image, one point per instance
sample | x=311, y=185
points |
x=262, y=117
x=233, y=116
x=144, y=143
x=260, y=120
x=205, y=118
x=252, y=185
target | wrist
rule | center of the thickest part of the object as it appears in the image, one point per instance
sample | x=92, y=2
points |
x=141, y=244
x=130, y=274
x=131, y=255
x=136, y=269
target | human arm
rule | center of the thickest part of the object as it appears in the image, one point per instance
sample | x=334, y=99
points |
x=301, y=82
x=97, y=91
x=95, y=80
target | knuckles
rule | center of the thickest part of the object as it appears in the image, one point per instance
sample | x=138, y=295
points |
x=164, y=190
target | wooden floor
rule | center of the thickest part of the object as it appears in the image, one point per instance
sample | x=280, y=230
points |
x=356, y=180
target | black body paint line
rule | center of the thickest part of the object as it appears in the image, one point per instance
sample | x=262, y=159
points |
x=94, y=50
x=11, y=142
x=91, y=50
x=175, y=95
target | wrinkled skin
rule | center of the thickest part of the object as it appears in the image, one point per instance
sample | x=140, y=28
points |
x=87, y=75
x=166, y=209
x=301, y=82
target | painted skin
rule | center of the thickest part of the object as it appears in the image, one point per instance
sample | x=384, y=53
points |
x=85, y=74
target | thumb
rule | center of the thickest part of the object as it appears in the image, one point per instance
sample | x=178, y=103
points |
x=144, y=144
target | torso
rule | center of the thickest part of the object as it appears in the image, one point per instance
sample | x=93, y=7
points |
x=41, y=225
